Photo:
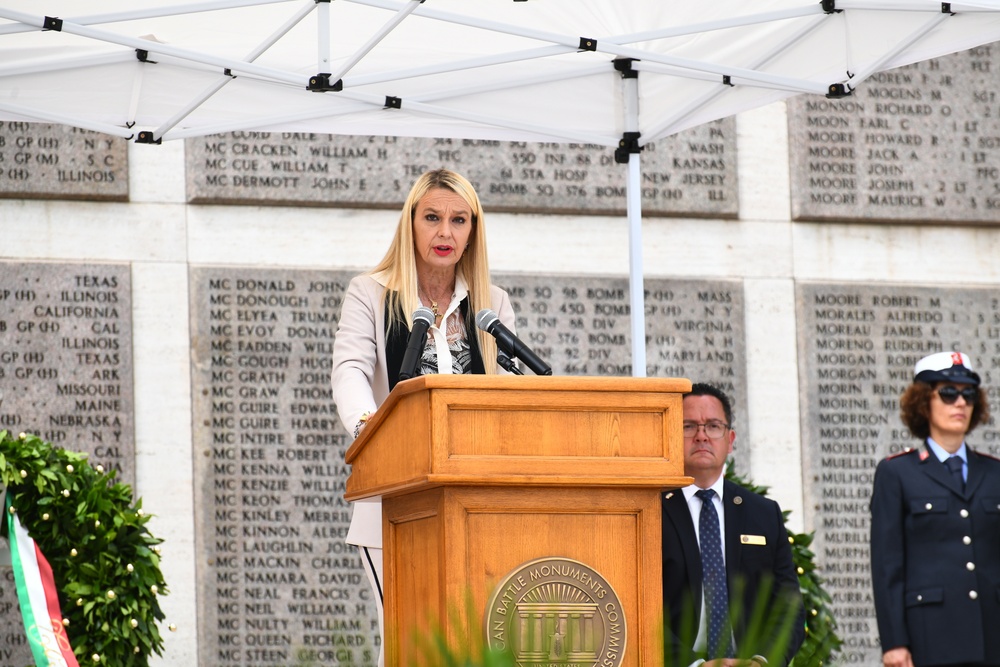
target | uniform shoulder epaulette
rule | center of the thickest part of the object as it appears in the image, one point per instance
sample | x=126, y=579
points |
x=908, y=450
x=985, y=455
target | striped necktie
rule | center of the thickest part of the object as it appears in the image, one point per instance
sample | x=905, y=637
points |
x=714, y=578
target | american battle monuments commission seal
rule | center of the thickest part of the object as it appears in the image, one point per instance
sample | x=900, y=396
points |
x=556, y=611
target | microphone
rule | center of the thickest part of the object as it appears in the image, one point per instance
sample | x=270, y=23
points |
x=489, y=322
x=422, y=320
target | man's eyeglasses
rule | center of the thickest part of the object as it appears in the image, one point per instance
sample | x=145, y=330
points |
x=950, y=394
x=713, y=429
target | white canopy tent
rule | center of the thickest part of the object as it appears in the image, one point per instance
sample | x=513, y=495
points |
x=618, y=73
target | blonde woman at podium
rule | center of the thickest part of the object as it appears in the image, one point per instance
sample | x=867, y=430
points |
x=415, y=314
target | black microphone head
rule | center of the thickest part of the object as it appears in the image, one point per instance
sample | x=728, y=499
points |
x=424, y=313
x=485, y=319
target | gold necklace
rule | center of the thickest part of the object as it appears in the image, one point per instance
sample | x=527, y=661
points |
x=434, y=305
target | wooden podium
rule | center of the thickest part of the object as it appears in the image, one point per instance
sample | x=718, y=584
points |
x=481, y=474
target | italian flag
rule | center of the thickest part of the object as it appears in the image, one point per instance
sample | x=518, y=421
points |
x=36, y=593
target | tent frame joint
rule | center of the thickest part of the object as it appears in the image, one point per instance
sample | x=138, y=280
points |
x=392, y=102
x=836, y=91
x=946, y=8
x=727, y=80
x=146, y=137
x=830, y=6
x=624, y=67
x=320, y=83
x=628, y=145
x=142, y=55
x=52, y=23
x=588, y=44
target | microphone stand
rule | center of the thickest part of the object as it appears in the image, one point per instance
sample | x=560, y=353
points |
x=507, y=363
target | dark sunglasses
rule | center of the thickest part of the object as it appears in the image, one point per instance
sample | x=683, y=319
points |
x=950, y=394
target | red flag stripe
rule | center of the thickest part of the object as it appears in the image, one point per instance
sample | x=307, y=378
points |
x=55, y=613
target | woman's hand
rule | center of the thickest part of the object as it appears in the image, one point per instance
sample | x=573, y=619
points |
x=362, y=423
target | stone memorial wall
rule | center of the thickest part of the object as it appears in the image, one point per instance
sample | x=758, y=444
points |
x=41, y=161
x=277, y=582
x=693, y=173
x=858, y=346
x=919, y=143
x=65, y=375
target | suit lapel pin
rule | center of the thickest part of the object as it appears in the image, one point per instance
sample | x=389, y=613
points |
x=737, y=500
x=669, y=495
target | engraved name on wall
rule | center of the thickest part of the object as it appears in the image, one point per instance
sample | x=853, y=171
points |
x=41, y=161
x=916, y=143
x=582, y=326
x=858, y=346
x=693, y=173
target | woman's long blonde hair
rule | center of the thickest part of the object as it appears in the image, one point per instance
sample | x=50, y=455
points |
x=399, y=265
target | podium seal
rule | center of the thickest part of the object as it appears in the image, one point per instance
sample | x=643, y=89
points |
x=556, y=611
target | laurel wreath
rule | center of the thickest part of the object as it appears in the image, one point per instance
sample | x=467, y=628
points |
x=104, y=560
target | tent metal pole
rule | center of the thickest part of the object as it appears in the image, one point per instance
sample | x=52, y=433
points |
x=808, y=9
x=367, y=101
x=902, y=46
x=352, y=102
x=637, y=289
x=62, y=65
x=741, y=73
x=968, y=7
x=323, y=36
x=221, y=82
x=473, y=22
x=285, y=28
x=459, y=65
x=735, y=80
x=133, y=107
x=258, y=123
x=508, y=83
x=171, y=10
x=914, y=6
x=382, y=33
x=141, y=14
x=33, y=115
x=805, y=9
x=189, y=108
x=611, y=46
x=565, y=133
x=236, y=66
x=669, y=126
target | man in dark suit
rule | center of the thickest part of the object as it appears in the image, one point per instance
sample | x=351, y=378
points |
x=935, y=544
x=730, y=589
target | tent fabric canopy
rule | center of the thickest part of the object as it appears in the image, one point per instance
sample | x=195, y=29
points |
x=616, y=73
x=536, y=70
